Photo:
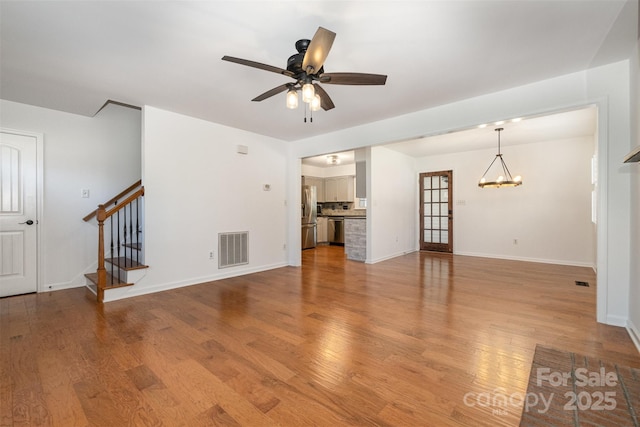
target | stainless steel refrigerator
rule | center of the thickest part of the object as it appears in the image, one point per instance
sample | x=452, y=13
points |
x=309, y=216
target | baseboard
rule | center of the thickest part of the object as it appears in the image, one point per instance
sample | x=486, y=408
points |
x=137, y=290
x=62, y=285
x=617, y=320
x=527, y=259
x=634, y=333
x=384, y=258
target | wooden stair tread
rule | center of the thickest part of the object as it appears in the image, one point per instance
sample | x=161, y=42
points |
x=135, y=246
x=112, y=282
x=126, y=263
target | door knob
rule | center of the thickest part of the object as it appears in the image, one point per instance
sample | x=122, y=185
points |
x=28, y=222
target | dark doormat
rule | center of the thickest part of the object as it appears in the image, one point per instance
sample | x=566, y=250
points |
x=569, y=389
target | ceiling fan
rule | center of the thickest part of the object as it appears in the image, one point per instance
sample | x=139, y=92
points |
x=306, y=68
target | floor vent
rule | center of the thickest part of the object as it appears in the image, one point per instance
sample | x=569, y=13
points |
x=233, y=249
x=579, y=283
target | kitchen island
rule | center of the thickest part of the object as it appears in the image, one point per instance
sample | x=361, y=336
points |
x=355, y=237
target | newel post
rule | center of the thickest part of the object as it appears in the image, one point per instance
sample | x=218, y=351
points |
x=102, y=272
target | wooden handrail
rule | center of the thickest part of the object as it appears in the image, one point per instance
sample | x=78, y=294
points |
x=114, y=199
x=123, y=204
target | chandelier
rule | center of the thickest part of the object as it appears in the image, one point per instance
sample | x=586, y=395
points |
x=503, y=178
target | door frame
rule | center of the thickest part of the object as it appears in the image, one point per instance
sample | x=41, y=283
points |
x=436, y=246
x=39, y=137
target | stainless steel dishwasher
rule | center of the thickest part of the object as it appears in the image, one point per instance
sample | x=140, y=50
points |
x=336, y=230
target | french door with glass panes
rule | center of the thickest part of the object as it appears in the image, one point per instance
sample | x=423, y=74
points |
x=436, y=194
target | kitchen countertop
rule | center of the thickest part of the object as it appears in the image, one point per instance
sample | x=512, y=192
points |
x=359, y=216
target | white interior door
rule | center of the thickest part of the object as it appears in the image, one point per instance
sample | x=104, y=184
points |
x=18, y=209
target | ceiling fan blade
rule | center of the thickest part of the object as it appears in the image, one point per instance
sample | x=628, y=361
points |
x=318, y=50
x=270, y=93
x=353, y=79
x=258, y=65
x=325, y=101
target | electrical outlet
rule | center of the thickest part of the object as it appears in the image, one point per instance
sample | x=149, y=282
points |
x=284, y=247
x=515, y=241
x=211, y=255
x=84, y=193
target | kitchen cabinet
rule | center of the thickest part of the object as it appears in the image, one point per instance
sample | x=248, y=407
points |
x=339, y=189
x=323, y=236
x=318, y=183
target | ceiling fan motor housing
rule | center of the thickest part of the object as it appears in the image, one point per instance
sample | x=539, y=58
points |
x=294, y=63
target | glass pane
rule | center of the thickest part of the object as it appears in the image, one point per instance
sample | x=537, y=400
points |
x=427, y=196
x=444, y=223
x=444, y=182
x=427, y=236
x=427, y=209
x=444, y=236
x=444, y=209
x=435, y=196
x=444, y=195
x=427, y=182
x=435, y=182
x=427, y=222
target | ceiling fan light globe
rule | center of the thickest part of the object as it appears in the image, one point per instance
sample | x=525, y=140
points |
x=292, y=99
x=315, y=103
x=308, y=92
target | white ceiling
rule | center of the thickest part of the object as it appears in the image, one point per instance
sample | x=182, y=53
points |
x=554, y=127
x=75, y=55
x=344, y=158
x=523, y=130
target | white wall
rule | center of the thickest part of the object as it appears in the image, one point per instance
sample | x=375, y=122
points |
x=604, y=86
x=391, y=215
x=634, y=291
x=196, y=186
x=100, y=153
x=611, y=83
x=549, y=214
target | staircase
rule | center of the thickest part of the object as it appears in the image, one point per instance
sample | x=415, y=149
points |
x=120, y=254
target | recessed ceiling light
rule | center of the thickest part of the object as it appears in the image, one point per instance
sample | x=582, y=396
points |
x=333, y=159
x=516, y=120
x=501, y=122
x=484, y=125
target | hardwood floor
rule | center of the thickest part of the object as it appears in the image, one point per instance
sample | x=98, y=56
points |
x=401, y=342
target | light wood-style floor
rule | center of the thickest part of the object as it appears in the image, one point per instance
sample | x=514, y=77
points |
x=332, y=343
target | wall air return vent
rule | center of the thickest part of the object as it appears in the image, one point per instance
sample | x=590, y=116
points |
x=233, y=249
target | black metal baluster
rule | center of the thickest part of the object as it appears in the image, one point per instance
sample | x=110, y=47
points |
x=126, y=236
x=118, y=243
x=138, y=246
x=131, y=233
x=111, y=249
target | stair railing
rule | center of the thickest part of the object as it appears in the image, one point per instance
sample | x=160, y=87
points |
x=119, y=221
